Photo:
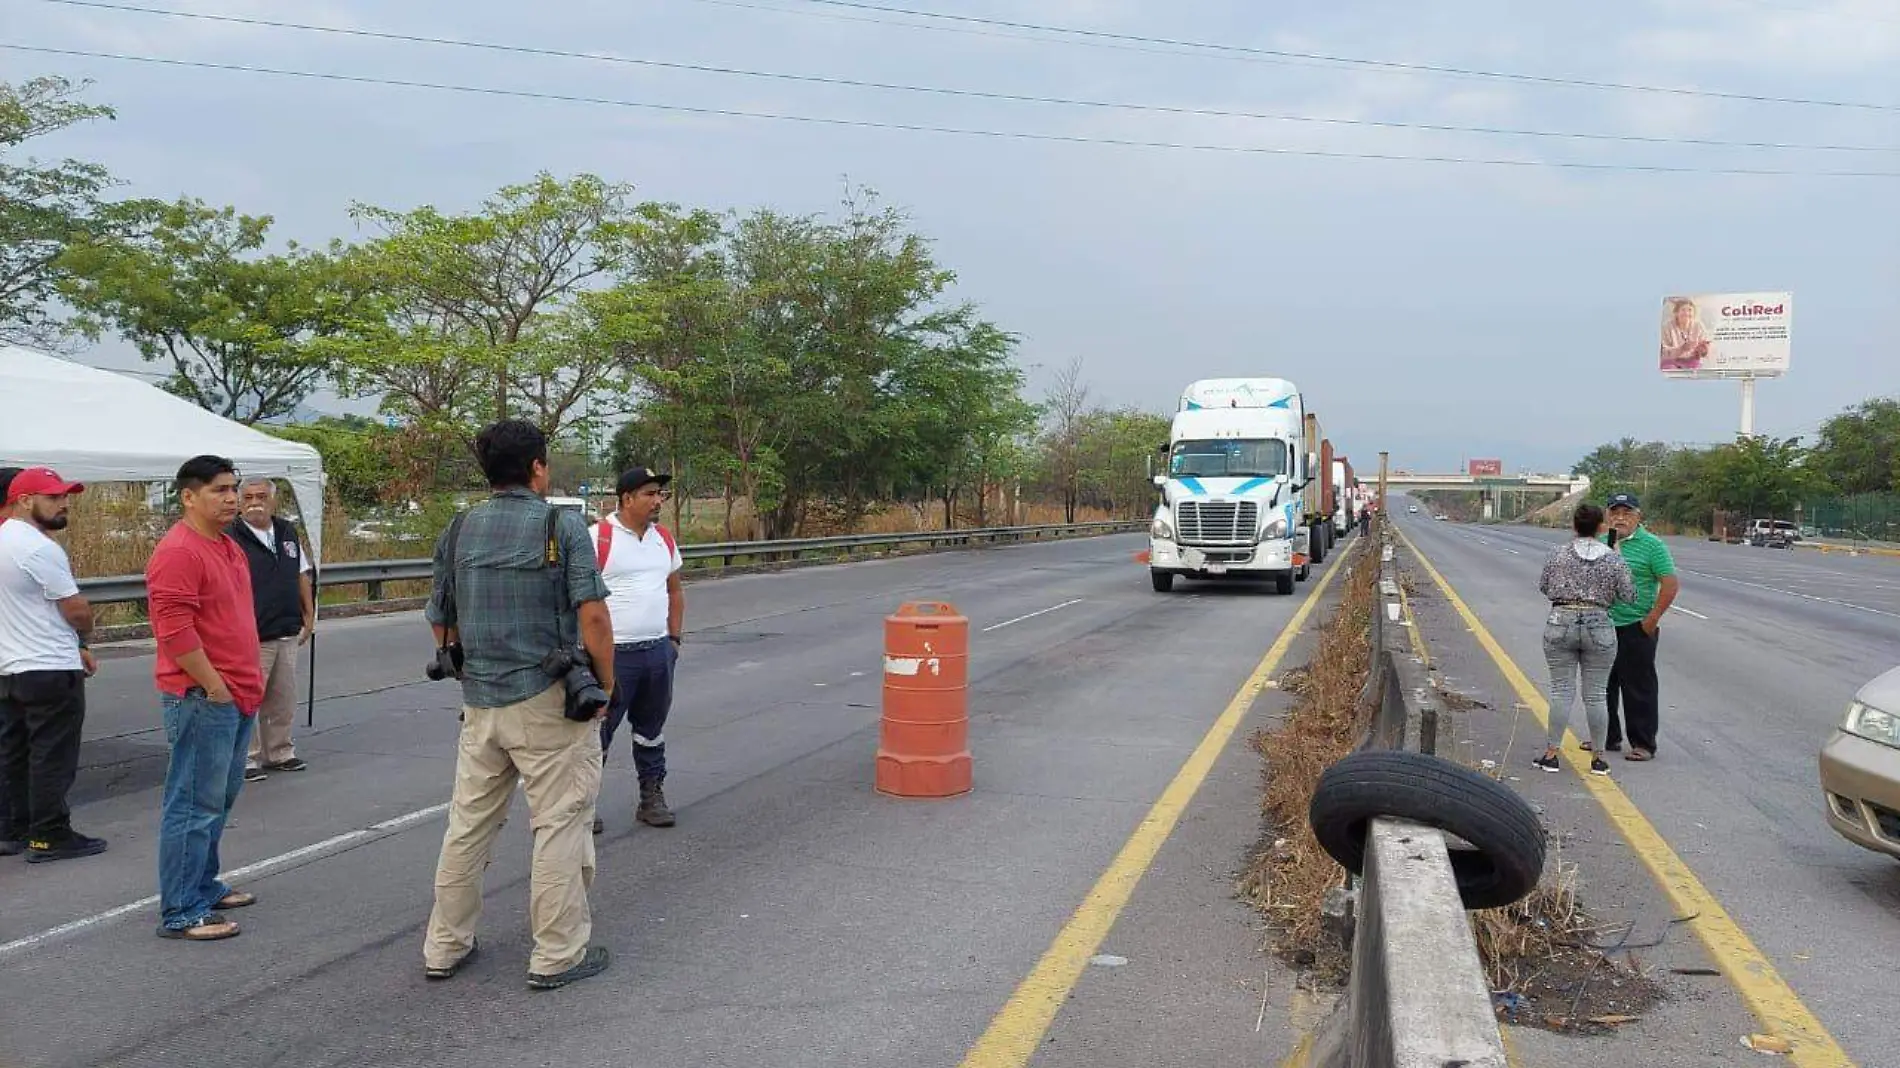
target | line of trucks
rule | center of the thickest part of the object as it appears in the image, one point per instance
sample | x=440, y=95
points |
x=1250, y=487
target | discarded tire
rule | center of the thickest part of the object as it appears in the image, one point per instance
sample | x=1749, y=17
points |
x=1506, y=855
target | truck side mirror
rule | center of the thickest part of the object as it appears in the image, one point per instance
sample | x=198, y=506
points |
x=1160, y=481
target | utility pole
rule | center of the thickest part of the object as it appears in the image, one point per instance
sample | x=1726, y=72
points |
x=1384, y=459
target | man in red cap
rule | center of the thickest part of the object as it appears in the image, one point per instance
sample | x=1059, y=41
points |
x=44, y=662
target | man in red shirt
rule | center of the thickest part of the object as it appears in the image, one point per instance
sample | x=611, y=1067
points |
x=210, y=681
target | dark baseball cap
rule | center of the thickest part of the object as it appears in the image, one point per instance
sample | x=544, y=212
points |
x=1625, y=500
x=632, y=479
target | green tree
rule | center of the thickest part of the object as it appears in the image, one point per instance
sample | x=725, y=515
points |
x=243, y=331
x=1859, y=449
x=356, y=456
x=43, y=206
x=480, y=318
x=1761, y=477
x=1626, y=465
x=1116, y=447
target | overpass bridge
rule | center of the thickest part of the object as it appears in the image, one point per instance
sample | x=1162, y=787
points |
x=1490, y=488
x=1558, y=484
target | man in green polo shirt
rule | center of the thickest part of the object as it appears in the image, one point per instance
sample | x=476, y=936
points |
x=1633, y=684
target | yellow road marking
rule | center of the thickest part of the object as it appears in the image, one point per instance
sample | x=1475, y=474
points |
x=1015, y=1033
x=1762, y=989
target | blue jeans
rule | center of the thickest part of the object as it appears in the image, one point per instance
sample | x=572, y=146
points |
x=1579, y=643
x=643, y=694
x=201, y=784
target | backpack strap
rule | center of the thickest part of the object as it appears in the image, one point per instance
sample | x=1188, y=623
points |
x=667, y=537
x=454, y=539
x=603, y=544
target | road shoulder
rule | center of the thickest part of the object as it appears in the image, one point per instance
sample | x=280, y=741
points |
x=1486, y=725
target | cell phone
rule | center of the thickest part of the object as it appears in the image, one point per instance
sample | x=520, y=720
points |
x=1612, y=537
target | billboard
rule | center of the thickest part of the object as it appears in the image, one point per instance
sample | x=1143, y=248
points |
x=1726, y=335
x=1484, y=468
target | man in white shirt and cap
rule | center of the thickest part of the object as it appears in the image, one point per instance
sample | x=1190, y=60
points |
x=640, y=562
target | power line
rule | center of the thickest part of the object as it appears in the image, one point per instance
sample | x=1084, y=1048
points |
x=962, y=131
x=1352, y=61
x=978, y=94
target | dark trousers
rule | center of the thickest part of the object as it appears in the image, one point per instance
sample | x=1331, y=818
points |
x=1635, y=693
x=643, y=694
x=41, y=714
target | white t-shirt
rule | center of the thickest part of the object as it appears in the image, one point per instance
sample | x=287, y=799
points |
x=289, y=548
x=636, y=572
x=34, y=574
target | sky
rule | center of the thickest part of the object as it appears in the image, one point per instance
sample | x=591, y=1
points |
x=1437, y=310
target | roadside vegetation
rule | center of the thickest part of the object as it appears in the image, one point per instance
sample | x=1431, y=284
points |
x=799, y=374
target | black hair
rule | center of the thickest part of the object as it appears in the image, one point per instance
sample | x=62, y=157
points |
x=1587, y=520
x=6, y=481
x=200, y=471
x=507, y=451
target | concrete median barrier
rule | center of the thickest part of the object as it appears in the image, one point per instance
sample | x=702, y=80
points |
x=1417, y=996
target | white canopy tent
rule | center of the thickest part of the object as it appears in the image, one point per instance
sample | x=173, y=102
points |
x=96, y=426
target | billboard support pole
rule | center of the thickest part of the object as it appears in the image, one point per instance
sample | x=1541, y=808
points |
x=1748, y=407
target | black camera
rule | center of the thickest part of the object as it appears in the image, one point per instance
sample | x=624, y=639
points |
x=585, y=697
x=447, y=663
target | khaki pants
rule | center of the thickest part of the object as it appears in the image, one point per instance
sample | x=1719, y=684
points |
x=270, y=742
x=558, y=763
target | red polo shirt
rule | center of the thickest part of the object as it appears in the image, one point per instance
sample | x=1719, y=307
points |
x=200, y=594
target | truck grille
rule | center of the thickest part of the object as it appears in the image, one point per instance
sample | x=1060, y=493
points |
x=1217, y=522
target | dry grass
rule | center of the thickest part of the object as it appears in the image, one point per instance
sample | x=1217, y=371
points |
x=1290, y=873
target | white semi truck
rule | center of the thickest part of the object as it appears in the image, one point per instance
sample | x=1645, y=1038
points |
x=1230, y=494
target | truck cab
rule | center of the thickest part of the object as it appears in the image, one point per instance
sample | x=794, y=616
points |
x=1230, y=486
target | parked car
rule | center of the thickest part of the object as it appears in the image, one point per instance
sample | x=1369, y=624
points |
x=1773, y=534
x=1860, y=768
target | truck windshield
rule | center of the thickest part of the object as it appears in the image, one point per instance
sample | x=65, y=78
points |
x=1228, y=458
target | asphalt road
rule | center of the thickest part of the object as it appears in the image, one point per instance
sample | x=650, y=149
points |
x=794, y=917
x=1757, y=668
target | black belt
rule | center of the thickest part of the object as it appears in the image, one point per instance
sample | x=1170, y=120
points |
x=634, y=647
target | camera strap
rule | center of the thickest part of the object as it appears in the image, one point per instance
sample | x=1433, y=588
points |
x=448, y=585
x=552, y=559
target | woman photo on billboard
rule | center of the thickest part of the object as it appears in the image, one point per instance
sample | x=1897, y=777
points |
x=1684, y=341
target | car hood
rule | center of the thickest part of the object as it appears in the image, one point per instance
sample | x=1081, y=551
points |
x=1882, y=693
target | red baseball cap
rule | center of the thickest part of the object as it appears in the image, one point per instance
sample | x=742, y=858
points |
x=41, y=482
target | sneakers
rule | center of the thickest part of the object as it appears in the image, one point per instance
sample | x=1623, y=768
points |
x=591, y=965
x=1598, y=766
x=1548, y=762
x=73, y=846
x=653, y=811
x=448, y=972
x=255, y=775
x=293, y=764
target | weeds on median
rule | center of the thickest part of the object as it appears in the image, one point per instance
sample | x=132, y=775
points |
x=1290, y=874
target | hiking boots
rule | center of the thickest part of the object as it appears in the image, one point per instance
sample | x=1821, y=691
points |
x=653, y=811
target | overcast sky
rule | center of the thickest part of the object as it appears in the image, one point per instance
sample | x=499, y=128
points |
x=1438, y=310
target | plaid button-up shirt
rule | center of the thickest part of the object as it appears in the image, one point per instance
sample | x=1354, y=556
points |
x=506, y=601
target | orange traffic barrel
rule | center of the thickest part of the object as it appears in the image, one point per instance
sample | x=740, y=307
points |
x=923, y=748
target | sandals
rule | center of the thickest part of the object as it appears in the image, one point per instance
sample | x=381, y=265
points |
x=1639, y=754
x=208, y=928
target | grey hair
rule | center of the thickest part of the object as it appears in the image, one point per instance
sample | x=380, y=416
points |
x=256, y=480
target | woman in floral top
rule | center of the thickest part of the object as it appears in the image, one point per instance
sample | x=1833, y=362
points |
x=1582, y=579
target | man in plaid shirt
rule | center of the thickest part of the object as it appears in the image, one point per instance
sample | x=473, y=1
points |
x=505, y=612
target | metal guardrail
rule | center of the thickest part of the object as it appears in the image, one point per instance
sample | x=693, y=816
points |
x=125, y=589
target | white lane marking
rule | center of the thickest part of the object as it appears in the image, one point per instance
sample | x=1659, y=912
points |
x=1032, y=615
x=1686, y=612
x=347, y=838
x=1795, y=593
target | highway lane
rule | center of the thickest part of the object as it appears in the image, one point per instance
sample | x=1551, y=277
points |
x=794, y=917
x=1756, y=671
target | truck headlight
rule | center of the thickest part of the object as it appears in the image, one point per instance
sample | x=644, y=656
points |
x=1275, y=528
x=1872, y=724
x=1161, y=529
